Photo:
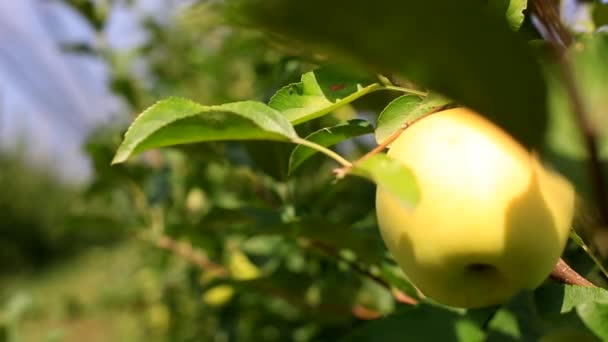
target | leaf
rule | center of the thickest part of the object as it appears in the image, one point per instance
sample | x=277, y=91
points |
x=595, y=317
x=452, y=47
x=391, y=175
x=556, y=298
x=512, y=10
x=179, y=121
x=421, y=323
x=405, y=110
x=328, y=137
x=319, y=92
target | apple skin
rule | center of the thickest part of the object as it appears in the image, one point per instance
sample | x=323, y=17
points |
x=491, y=220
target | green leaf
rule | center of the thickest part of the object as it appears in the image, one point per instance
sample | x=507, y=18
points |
x=420, y=323
x=513, y=10
x=328, y=137
x=595, y=317
x=453, y=47
x=577, y=295
x=179, y=121
x=405, y=110
x=319, y=93
x=391, y=175
x=556, y=298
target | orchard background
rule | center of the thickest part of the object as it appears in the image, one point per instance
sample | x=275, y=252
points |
x=240, y=230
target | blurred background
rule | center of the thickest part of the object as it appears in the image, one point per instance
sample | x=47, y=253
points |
x=73, y=74
x=74, y=263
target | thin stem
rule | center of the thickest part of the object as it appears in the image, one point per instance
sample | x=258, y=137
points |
x=198, y=258
x=331, y=251
x=186, y=251
x=406, y=90
x=335, y=156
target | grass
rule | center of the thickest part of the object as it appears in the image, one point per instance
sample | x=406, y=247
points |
x=94, y=297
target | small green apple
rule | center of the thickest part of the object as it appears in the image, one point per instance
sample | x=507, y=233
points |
x=491, y=219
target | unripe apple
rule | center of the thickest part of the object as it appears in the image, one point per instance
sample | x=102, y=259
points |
x=491, y=219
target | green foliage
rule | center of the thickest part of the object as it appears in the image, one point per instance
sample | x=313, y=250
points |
x=296, y=208
x=245, y=233
x=455, y=48
x=421, y=323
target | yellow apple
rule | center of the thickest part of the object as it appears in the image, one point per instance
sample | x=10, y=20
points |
x=491, y=219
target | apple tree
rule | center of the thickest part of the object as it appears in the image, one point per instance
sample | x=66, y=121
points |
x=273, y=202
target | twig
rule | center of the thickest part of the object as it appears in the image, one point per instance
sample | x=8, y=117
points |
x=559, y=35
x=186, y=251
x=199, y=259
x=565, y=274
x=331, y=251
x=547, y=13
x=342, y=171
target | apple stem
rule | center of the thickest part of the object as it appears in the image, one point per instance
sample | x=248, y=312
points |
x=342, y=171
x=406, y=90
x=565, y=274
x=547, y=13
x=335, y=156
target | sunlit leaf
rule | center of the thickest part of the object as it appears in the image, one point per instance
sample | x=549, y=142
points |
x=512, y=10
x=179, y=121
x=319, y=93
x=405, y=110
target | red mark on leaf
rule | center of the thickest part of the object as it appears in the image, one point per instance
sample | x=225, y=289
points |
x=336, y=87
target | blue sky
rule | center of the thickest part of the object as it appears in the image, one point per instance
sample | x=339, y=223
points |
x=50, y=100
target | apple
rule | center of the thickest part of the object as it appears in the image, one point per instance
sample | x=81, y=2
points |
x=491, y=219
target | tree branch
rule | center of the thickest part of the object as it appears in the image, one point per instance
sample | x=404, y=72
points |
x=332, y=252
x=565, y=274
x=186, y=251
x=548, y=15
x=199, y=259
